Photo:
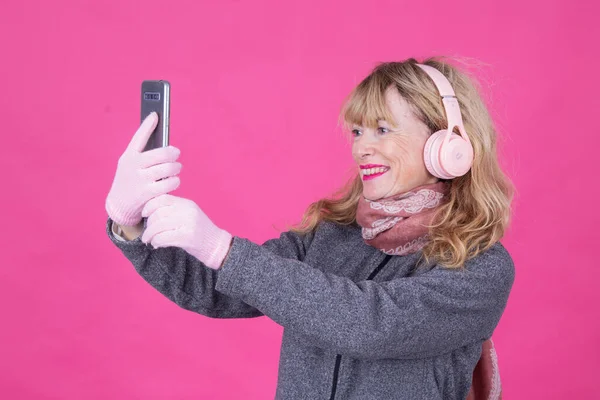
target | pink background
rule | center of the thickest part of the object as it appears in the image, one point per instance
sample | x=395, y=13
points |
x=257, y=86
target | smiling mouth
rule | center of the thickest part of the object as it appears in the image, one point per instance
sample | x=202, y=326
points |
x=373, y=173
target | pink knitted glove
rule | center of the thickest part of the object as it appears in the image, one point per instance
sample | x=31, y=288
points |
x=138, y=175
x=179, y=222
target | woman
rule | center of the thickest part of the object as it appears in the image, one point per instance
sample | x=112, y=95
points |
x=388, y=291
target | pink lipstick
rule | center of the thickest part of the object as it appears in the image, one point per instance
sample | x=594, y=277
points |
x=373, y=176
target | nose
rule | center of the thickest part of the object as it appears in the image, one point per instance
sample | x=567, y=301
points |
x=363, y=148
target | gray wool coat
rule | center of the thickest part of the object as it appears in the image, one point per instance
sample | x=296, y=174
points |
x=358, y=324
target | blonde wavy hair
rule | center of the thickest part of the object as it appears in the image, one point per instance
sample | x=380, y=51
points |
x=477, y=212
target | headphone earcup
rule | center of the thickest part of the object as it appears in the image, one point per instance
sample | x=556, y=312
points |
x=456, y=158
x=431, y=155
x=450, y=161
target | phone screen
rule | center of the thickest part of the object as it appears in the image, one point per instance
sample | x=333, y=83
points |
x=156, y=96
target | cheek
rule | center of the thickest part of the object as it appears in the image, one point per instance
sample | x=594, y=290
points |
x=407, y=158
x=400, y=152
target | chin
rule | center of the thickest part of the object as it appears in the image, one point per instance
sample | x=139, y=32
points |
x=372, y=196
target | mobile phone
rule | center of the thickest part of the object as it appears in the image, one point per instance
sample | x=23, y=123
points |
x=156, y=96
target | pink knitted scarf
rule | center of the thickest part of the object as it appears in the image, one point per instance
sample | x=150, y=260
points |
x=398, y=224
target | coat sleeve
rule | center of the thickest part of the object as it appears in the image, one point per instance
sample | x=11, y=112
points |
x=414, y=317
x=189, y=283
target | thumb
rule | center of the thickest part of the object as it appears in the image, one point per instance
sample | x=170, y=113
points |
x=141, y=136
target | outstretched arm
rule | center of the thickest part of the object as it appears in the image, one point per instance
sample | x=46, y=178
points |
x=421, y=316
x=190, y=284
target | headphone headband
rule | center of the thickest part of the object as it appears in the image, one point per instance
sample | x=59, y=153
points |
x=453, y=114
x=444, y=87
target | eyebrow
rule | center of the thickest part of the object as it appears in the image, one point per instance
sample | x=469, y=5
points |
x=378, y=121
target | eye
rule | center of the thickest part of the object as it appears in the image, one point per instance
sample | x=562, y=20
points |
x=381, y=129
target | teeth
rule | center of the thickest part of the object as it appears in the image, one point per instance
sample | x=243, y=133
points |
x=372, y=171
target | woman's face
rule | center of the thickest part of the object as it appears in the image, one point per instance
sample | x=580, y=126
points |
x=399, y=152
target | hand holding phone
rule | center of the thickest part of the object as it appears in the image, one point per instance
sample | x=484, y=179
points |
x=141, y=176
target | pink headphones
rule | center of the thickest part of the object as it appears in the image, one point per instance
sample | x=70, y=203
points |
x=447, y=155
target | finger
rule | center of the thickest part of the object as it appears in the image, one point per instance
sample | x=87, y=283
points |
x=140, y=138
x=166, y=211
x=152, y=229
x=160, y=155
x=161, y=171
x=165, y=185
x=167, y=239
x=155, y=203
